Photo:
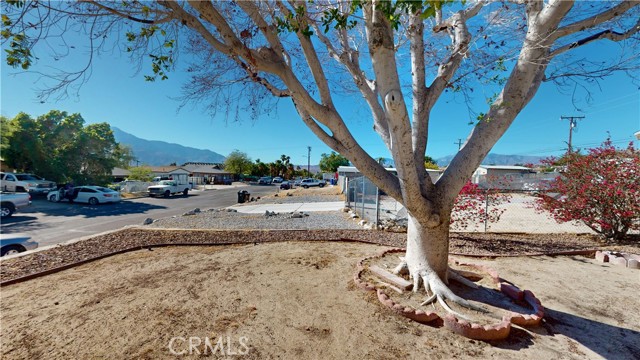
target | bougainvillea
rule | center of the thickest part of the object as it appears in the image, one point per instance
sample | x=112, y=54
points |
x=600, y=189
x=474, y=206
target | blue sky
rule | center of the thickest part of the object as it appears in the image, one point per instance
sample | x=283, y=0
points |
x=118, y=95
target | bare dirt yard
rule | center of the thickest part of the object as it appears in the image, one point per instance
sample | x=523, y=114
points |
x=297, y=300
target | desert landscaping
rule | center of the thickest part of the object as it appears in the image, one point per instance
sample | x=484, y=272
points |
x=290, y=294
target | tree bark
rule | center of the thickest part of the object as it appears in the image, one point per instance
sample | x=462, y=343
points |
x=427, y=248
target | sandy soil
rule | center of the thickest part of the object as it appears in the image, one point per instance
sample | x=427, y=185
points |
x=297, y=300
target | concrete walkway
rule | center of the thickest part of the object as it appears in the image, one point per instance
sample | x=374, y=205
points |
x=289, y=207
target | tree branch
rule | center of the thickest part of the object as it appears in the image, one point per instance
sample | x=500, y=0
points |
x=127, y=16
x=350, y=61
x=420, y=131
x=382, y=50
x=606, y=34
x=595, y=20
x=460, y=39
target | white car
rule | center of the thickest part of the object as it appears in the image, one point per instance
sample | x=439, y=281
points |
x=92, y=195
x=307, y=183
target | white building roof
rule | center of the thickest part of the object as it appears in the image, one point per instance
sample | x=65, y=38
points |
x=504, y=167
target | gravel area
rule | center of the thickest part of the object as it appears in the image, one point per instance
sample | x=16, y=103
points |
x=214, y=227
x=224, y=220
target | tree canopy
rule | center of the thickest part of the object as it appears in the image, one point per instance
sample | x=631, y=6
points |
x=58, y=146
x=331, y=162
x=238, y=163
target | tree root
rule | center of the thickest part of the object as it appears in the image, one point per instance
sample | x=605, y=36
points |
x=454, y=275
x=441, y=292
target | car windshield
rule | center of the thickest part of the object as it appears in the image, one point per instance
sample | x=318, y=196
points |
x=25, y=177
x=102, y=189
x=166, y=182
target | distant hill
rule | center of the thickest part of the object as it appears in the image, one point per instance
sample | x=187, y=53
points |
x=498, y=159
x=158, y=153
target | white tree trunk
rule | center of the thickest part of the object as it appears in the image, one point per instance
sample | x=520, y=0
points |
x=427, y=248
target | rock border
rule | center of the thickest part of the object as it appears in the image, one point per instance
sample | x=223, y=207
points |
x=497, y=331
x=623, y=259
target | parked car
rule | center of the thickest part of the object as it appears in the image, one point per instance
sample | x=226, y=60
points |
x=277, y=180
x=30, y=183
x=92, y=195
x=11, y=202
x=15, y=243
x=307, y=183
x=167, y=188
x=265, y=180
x=285, y=185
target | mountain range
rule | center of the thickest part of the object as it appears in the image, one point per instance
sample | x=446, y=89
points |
x=160, y=153
x=497, y=159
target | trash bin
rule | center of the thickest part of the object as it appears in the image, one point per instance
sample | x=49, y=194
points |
x=241, y=196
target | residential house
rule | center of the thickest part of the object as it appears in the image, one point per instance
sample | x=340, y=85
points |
x=207, y=173
x=171, y=172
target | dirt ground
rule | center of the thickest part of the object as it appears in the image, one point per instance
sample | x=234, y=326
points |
x=297, y=300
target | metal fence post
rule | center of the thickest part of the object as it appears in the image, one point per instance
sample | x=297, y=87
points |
x=377, y=206
x=363, y=192
x=486, y=209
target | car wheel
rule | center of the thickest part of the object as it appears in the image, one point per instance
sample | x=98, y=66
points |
x=305, y=186
x=321, y=185
x=167, y=193
x=6, y=210
x=20, y=189
x=185, y=192
x=11, y=249
x=93, y=201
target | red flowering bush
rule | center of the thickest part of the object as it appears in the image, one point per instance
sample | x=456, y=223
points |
x=474, y=206
x=600, y=189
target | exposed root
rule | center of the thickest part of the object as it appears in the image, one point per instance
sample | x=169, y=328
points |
x=441, y=292
x=429, y=300
x=454, y=275
x=450, y=310
x=402, y=268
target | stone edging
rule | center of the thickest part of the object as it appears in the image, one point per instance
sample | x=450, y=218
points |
x=631, y=261
x=496, y=331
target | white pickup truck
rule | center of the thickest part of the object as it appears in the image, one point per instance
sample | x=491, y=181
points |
x=30, y=183
x=167, y=188
x=11, y=202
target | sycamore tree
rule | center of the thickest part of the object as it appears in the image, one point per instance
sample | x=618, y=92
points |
x=398, y=58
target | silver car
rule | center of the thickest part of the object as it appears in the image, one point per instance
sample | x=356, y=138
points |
x=15, y=243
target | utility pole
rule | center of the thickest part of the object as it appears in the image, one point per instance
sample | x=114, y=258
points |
x=573, y=122
x=459, y=142
x=309, y=160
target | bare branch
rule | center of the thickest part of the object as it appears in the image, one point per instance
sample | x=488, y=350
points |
x=595, y=20
x=128, y=16
x=461, y=39
x=605, y=34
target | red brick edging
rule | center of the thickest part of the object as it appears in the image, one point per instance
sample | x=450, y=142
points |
x=496, y=331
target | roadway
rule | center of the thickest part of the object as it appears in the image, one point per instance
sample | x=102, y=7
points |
x=50, y=223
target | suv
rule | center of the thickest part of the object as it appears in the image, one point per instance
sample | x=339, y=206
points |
x=265, y=180
x=307, y=183
x=26, y=183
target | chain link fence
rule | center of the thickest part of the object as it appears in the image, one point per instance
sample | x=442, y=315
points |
x=518, y=214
